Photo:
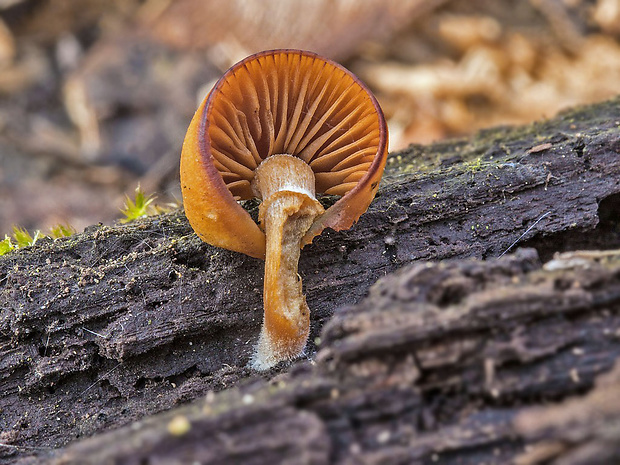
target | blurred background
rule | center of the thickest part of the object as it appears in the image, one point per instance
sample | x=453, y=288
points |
x=96, y=95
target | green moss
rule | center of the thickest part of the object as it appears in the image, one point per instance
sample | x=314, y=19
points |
x=6, y=245
x=139, y=207
x=62, y=230
x=23, y=238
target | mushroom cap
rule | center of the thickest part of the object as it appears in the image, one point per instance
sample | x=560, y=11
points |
x=274, y=102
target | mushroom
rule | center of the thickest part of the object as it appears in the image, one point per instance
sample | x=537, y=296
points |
x=282, y=126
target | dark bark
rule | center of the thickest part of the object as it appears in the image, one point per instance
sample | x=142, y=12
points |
x=436, y=365
x=118, y=323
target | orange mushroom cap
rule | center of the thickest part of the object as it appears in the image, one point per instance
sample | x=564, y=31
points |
x=276, y=102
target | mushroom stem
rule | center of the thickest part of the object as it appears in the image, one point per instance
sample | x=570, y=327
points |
x=286, y=185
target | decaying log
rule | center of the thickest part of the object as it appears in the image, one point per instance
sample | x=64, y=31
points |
x=118, y=323
x=434, y=366
x=579, y=431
